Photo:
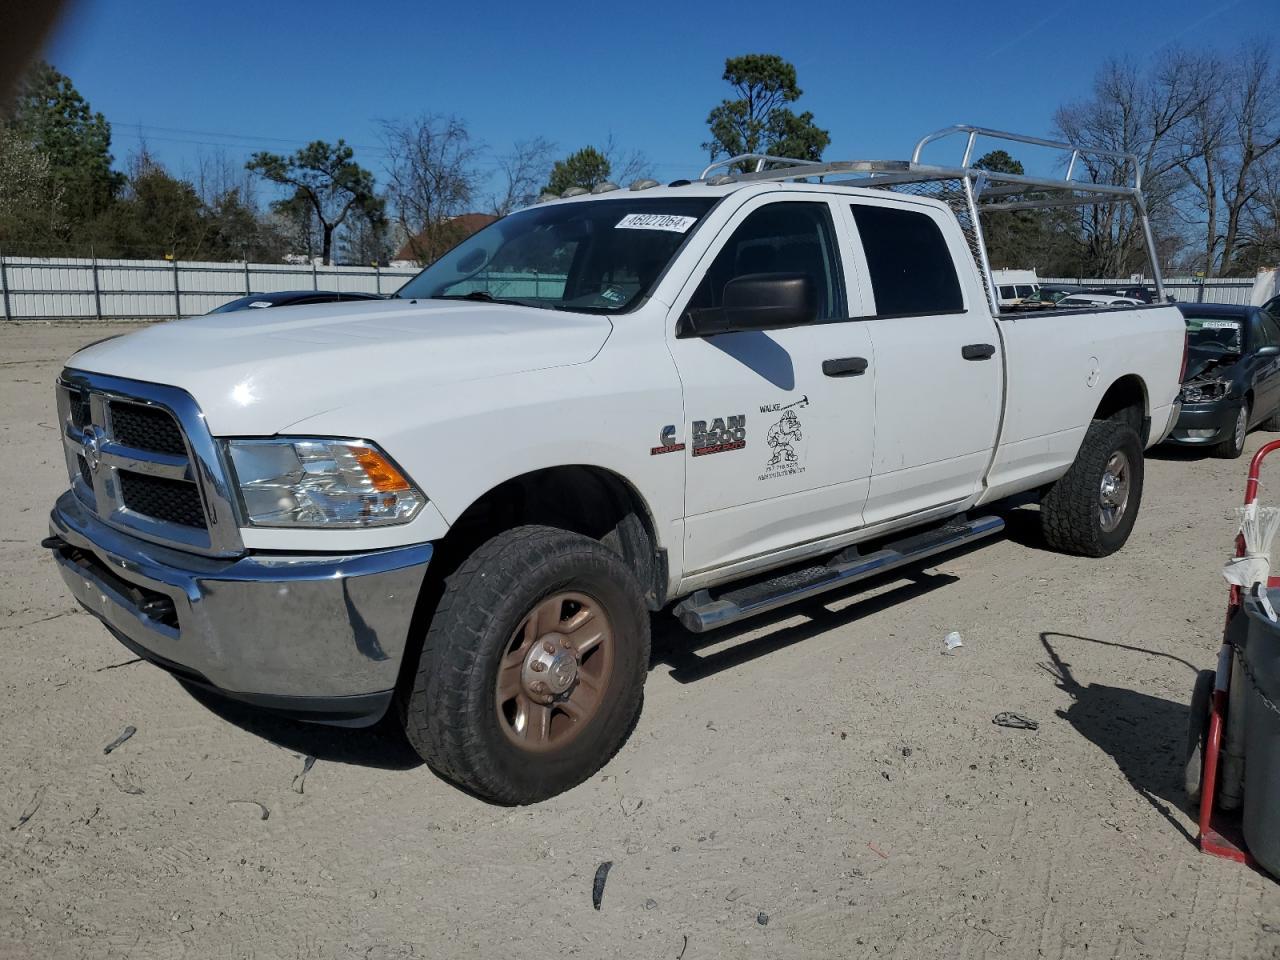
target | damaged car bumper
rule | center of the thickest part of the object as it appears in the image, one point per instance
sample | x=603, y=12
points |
x=319, y=637
x=1206, y=423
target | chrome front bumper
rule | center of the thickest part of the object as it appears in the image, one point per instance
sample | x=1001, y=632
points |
x=317, y=636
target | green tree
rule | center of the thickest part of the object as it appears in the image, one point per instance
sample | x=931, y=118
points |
x=1043, y=240
x=758, y=120
x=585, y=168
x=238, y=231
x=157, y=216
x=327, y=181
x=51, y=115
x=999, y=161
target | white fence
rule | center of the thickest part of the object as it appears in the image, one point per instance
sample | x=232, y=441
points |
x=34, y=288
x=1244, y=290
x=78, y=289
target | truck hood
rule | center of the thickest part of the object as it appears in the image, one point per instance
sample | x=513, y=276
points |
x=255, y=372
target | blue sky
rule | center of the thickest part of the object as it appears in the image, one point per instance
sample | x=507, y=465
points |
x=237, y=76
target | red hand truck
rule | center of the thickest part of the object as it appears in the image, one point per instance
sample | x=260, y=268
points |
x=1220, y=834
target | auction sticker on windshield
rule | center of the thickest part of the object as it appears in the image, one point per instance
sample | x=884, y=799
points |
x=656, y=221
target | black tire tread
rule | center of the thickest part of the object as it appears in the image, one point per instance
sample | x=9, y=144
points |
x=1068, y=511
x=441, y=721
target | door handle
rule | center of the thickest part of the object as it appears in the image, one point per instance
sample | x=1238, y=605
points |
x=845, y=367
x=978, y=351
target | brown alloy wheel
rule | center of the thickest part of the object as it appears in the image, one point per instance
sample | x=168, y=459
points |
x=555, y=670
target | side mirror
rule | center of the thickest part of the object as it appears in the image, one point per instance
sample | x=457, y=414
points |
x=1271, y=350
x=758, y=301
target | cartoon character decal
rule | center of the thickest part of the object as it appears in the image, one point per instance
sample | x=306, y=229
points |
x=786, y=456
x=782, y=436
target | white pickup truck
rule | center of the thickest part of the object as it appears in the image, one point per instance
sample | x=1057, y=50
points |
x=712, y=397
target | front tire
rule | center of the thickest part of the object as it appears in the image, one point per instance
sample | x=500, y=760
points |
x=1090, y=510
x=532, y=671
x=1233, y=446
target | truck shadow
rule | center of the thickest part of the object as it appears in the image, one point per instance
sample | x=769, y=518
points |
x=1170, y=451
x=678, y=649
x=382, y=746
x=1022, y=526
x=1144, y=735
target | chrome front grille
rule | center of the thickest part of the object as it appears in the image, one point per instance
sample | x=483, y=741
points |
x=140, y=456
x=146, y=428
x=174, y=501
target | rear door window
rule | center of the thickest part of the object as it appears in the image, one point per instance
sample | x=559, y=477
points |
x=911, y=268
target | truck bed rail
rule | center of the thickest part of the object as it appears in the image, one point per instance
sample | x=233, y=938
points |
x=968, y=190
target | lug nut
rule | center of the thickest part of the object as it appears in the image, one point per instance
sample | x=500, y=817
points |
x=548, y=646
x=537, y=666
x=539, y=687
x=564, y=642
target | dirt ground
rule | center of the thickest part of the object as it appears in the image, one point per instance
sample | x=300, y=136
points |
x=823, y=784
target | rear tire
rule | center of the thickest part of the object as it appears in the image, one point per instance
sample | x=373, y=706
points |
x=1197, y=735
x=504, y=703
x=1233, y=446
x=1090, y=510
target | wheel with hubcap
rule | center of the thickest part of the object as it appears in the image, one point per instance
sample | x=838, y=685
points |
x=1091, y=509
x=1233, y=446
x=554, y=673
x=532, y=670
x=1113, y=491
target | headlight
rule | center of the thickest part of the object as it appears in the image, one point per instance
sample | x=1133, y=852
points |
x=321, y=483
x=1201, y=391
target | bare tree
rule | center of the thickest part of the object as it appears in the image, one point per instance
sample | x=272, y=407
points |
x=1259, y=242
x=1253, y=118
x=522, y=172
x=431, y=179
x=1144, y=115
x=1203, y=142
x=1230, y=138
x=625, y=166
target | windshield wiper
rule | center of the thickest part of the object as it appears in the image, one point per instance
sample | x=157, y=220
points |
x=481, y=296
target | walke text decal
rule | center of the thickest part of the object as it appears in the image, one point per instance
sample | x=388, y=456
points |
x=782, y=439
x=724, y=434
x=668, y=438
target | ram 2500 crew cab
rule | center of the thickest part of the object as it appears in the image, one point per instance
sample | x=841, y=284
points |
x=716, y=396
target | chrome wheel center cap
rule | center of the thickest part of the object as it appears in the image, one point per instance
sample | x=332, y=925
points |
x=551, y=668
x=1109, y=486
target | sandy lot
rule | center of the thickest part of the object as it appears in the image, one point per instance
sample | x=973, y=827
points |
x=829, y=770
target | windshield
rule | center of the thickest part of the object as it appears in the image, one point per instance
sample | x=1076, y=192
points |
x=600, y=256
x=1215, y=334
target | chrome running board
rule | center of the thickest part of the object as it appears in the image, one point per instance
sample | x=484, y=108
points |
x=701, y=611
